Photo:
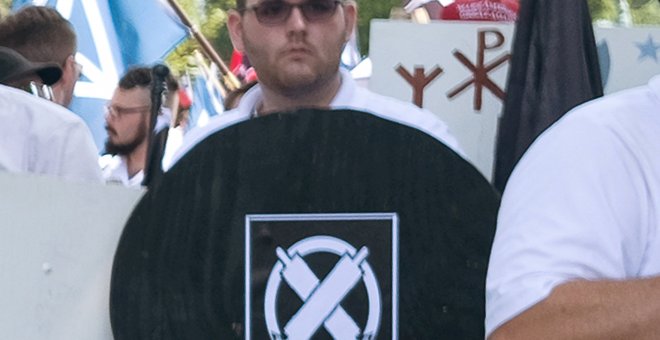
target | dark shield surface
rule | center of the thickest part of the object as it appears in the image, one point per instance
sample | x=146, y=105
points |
x=179, y=270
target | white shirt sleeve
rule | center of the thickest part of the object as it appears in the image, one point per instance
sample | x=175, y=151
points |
x=573, y=209
x=44, y=138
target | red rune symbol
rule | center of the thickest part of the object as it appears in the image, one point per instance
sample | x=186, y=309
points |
x=418, y=81
x=480, y=71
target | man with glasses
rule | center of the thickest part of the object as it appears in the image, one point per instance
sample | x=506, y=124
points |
x=295, y=48
x=41, y=34
x=127, y=119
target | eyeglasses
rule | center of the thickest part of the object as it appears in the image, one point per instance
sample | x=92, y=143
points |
x=79, y=69
x=273, y=13
x=118, y=111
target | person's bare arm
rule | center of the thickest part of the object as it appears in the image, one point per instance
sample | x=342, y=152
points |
x=591, y=310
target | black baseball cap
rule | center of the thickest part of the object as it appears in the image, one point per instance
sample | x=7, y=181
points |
x=13, y=66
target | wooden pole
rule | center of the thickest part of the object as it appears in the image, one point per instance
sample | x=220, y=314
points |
x=232, y=82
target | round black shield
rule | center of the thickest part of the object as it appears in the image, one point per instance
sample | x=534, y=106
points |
x=180, y=267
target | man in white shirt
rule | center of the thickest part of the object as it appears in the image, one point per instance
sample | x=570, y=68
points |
x=40, y=137
x=295, y=50
x=43, y=138
x=577, y=249
x=127, y=123
x=41, y=34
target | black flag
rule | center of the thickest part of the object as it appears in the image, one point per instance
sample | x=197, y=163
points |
x=554, y=68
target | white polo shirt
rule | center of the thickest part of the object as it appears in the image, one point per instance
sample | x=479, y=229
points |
x=349, y=96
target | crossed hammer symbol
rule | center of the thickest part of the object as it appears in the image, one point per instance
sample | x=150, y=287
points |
x=322, y=299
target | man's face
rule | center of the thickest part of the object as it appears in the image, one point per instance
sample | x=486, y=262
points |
x=127, y=120
x=294, y=55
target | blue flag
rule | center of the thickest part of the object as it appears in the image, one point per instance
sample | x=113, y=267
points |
x=112, y=36
x=207, y=101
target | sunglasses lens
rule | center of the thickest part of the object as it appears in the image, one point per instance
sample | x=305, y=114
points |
x=319, y=10
x=277, y=12
x=272, y=12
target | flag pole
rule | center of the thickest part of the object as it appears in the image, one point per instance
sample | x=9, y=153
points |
x=231, y=81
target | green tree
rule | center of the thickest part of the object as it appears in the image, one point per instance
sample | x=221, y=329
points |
x=372, y=9
x=603, y=10
x=4, y=7
x=645, y=12
x=209, y=17
x=220, y=39
x=207, y=21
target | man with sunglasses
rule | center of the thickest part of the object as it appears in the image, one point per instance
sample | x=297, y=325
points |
x=295, y=48
x=41, y=34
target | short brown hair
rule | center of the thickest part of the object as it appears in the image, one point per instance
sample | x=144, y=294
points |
x=141, y=76
x=136, y=77
x=39, y=33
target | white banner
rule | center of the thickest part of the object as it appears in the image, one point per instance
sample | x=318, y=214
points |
x=57, y=243
x=458, y=70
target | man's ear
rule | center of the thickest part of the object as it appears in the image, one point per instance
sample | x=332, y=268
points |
x=350, y=18
x=235, y=27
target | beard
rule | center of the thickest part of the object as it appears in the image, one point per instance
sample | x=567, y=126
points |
x=130, y=146
x=295, y=80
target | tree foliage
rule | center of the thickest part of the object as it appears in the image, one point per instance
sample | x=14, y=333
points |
x=4, y=7
x=220, y=38
x=209, y=18
x=603, y=10
x=370, y=9
x=647, y=13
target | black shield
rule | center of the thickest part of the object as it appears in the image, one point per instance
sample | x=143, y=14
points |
x=179, y=270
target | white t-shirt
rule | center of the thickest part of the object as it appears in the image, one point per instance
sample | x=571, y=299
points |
x=349, y=96
x=583, y=203
x=115, y=171
x=44, y=138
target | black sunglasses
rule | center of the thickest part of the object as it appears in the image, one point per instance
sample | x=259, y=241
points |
x=277, y=12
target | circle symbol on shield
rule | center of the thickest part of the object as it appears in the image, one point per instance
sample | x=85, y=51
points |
x=322, y=299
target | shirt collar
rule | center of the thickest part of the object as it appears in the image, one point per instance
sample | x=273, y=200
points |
x=252, y=98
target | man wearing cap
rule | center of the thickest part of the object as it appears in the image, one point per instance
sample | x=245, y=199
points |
x=41, y=34
x=480, y=10
x=42, y=138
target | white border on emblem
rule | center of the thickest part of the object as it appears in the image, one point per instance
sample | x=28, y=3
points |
x=326, y=217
